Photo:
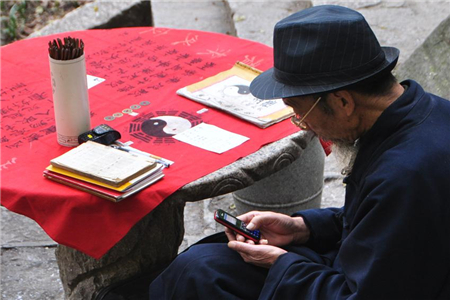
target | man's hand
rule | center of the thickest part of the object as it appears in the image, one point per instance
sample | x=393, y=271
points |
x=260, y=255
x=276, y=229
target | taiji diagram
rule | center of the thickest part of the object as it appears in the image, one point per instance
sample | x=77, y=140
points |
x=159, y=127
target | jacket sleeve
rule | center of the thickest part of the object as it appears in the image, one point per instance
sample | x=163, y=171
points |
x=325, y=226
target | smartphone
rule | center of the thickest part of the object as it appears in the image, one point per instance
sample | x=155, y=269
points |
x=236, y=225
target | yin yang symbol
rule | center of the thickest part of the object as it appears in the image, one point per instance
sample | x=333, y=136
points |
x=165, y=126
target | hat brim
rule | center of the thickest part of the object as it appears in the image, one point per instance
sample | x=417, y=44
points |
x=266, y=87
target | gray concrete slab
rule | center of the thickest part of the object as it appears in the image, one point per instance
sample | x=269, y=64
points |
x=30, y=273
x=255, y=20
x=101, y=14
x=430, y=63
x=404, y=24
x=19, y=231
x=214, y=16
x=28, y=263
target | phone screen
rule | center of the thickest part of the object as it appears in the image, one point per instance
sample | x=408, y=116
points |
x=230, y=219
x=236, y=225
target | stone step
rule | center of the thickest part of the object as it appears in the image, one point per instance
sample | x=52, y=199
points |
x=401, y=24
x=101, y=14
x=255, y=20
x=206, y=15
x=430, y=63
x=19, y=231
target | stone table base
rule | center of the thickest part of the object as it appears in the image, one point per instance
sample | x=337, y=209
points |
x=152, y=242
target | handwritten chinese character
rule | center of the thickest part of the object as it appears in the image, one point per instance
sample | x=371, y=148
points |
x=139, y=38
x=163, y=63
x=10, y=162
x=183, y=56
x=251, y=61
x=208, y=65
x=174, y=79
x=34, y=137
x=160, y=75
x=195, y=61
x=126, y=88
x=141, y=54
x=15, y=145
x=157, y=86
x=37, y=96
x=215, y=53
x=147, y=70
x=156, y=31
x=171, y=52
x=29, y=120
x=96, y=64
x=176, y=67
x=188, y=41
x=124, y=61
x=144, y=80
x=139, y=92
x=189, y=72
x=49, y=130
x=148, y=43
x=160, y=47
x=17, y=86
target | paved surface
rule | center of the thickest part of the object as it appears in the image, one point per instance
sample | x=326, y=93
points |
x=28, y=264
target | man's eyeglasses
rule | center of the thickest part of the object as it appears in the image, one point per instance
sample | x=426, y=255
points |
x=300, y=122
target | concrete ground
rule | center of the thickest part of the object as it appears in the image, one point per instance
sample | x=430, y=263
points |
x=28, y=264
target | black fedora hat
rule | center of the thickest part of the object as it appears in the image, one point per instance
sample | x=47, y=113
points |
x=320, y=49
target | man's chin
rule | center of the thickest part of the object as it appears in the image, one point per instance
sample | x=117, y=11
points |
x=345, y=153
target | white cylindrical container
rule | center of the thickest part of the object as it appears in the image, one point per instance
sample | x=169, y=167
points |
x=70, y=99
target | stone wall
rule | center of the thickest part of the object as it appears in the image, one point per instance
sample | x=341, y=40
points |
x=430, y=63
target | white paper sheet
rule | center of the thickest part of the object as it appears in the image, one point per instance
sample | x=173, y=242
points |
x=93, y=81
x=211, y=138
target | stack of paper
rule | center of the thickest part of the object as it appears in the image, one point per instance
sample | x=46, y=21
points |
x=104, y=171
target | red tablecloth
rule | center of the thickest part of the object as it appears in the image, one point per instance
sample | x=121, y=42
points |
x=143, y=68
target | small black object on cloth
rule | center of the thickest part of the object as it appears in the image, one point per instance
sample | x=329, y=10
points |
x=102, y=134
x=321, y=49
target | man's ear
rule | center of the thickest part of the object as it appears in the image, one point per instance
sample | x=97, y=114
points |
x=343, y=101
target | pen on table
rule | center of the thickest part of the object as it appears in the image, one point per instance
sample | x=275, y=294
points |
x=163, y=161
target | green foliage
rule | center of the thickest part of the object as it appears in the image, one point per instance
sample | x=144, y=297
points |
x=19, y=18
x=15, y=18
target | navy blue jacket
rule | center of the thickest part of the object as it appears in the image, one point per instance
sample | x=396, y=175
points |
x=392, y=238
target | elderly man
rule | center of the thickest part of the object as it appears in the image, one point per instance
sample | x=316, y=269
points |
x=391, y=240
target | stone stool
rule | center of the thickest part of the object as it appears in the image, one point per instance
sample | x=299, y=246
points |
x=298, y=186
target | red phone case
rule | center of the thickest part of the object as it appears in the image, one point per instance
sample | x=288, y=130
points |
x=235, y=229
